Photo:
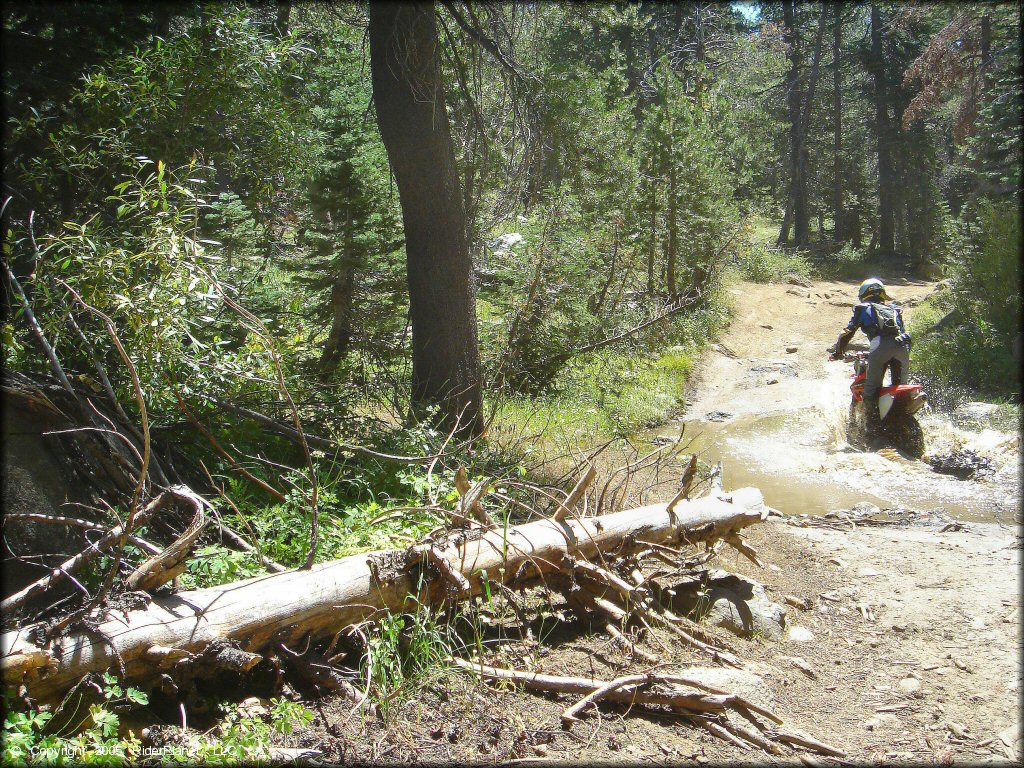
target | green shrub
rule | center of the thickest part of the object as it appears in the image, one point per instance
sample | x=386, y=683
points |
x=235, y=739
x=973, y=354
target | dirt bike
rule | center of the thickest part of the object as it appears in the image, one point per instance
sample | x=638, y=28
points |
x=896, y=407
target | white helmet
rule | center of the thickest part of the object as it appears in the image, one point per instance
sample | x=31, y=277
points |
x=872, y=288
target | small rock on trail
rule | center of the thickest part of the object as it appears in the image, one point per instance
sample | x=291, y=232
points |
x=732, y=602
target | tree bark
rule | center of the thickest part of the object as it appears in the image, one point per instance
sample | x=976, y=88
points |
x=838, y=215
x=284, y=11
x=340, y=336
x=883, y=133
x=673, y=230
x=653, y=244
x=284, y=607
x=408, y=96
x=342, y=297
x=800, y=212
x=789, y=36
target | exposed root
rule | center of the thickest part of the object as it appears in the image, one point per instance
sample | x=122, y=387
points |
x=707, y=708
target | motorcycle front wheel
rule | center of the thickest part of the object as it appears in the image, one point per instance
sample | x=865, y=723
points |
x=904, y=433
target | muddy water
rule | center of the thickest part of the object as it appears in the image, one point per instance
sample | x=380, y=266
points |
x=801, y=463
x=772, y=409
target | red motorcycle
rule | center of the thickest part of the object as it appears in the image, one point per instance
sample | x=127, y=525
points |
x=897, y=406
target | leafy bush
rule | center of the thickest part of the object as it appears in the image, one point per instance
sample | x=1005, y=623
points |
x=846, y=262
x=235, y=739
x=974, y=352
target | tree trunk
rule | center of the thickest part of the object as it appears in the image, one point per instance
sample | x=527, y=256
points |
x=673, y=231
x=838, y=216
x=284, y=11
x=886, y=222
x=284, y=607
x=787, y=222
x=408, y=96
x=340, y=337
x=800, y=213
x=986, y=49
x=652, y=246
x=789, y=36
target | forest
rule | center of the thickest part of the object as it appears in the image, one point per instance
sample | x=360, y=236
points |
x=309, y=307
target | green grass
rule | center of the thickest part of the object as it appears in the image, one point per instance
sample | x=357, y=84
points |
x=758, y=258
x=764, y=263
x=613, y=393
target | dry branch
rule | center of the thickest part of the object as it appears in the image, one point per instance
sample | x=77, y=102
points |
x=77, y=522
x=565, y=509
x=111, y=539
x=639, y=689
x=687, y=701
x=469, y=502
x=169, y=564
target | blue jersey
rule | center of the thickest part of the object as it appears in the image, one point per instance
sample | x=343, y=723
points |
x=865, y=317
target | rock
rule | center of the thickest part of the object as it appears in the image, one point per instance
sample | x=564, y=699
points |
x=765, y=325
x=734, y=603
x=772, y=380
x=1011, y=738
x=505, y=243
x=802, y=665
x=804, y=294
x=791, y=349
x=799, y=634
x=961, y=463
x=883, y=721
x=795, y=279
x=803, y=603
x=254, y=706
x=910, y=685
x=717, y=416
x=957, y=729
x=32, y=479
x=837, y=561
x=297, y=755
x=865, y=509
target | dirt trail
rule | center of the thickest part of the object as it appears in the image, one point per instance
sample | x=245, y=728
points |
x=917, y=653
x=770, y=404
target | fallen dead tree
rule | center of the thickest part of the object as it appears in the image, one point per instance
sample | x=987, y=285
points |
x=267, y=611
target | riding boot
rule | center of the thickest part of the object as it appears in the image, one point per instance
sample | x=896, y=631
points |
x=872, y=424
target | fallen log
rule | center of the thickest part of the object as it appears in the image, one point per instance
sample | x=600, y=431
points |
x=267, y=610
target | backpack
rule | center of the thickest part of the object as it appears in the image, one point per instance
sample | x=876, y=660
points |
x=887, y=319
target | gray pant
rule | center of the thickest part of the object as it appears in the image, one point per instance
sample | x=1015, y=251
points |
x=888, y=354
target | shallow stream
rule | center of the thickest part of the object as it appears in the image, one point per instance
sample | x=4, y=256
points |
x=802, y=464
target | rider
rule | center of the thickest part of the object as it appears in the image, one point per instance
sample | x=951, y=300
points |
x=889, y=346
